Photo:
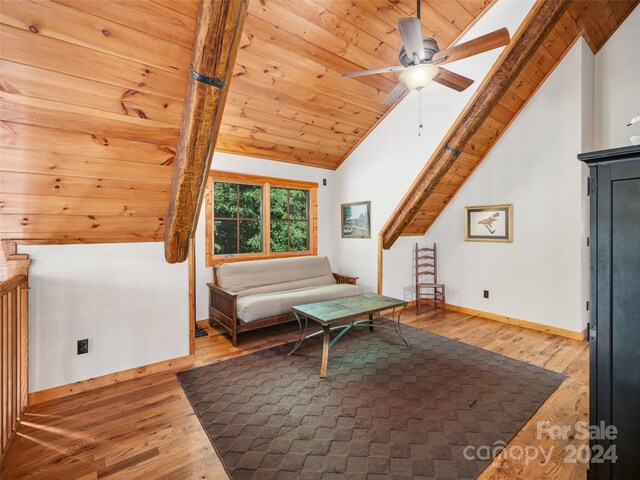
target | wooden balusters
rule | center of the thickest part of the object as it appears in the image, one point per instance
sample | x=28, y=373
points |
x=13, y=357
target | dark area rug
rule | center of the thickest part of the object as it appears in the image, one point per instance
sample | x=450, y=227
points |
x=386, y=411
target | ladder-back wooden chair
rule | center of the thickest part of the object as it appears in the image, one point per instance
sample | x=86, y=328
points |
x=426, y=269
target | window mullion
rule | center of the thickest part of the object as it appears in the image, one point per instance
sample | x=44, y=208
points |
x=266, y=218
x=237, y=219
x=288, y=220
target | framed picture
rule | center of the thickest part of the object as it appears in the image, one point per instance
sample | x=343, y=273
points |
x=490, y=223
x=356, y=220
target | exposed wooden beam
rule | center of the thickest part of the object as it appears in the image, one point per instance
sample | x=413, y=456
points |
x=215, y=46
x=532, y=33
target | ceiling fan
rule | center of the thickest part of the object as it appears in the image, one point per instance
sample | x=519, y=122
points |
x=420, y=58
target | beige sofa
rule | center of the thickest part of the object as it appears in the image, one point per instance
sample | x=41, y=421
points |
x=256, y=294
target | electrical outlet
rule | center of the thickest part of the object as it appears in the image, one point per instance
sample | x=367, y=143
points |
x=324, y=182
x=486, y=293
x=83, y=346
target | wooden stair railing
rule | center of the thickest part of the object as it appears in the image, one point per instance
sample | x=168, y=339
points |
x=13, y=358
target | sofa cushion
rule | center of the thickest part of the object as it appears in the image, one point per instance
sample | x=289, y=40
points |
x=265, y=276
x=295, y=285
x=255, y=307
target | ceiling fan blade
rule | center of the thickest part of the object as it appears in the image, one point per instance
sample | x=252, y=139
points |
x=373, y=71
x=452, y=80
x=394, y=94
x=498, y=38
x=411, y=34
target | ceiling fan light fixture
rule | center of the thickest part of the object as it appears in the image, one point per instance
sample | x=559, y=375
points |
x=419, y=76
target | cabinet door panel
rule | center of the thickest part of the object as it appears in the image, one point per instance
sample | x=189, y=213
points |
x=625, y=319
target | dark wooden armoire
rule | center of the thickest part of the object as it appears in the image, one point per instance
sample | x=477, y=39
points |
x=614, y=328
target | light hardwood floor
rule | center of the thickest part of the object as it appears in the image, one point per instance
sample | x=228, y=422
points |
x=145, y=428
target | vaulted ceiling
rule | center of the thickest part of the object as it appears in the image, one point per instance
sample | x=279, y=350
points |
x=93, y=91
x=287, y=100
x=92, y=96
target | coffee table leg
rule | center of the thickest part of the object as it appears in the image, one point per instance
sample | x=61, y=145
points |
x=398, y=324
x=326, y=339
x=371, y=322
x=302, y=333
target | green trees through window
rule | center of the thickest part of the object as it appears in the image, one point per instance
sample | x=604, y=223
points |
x=237, y=218
x=239, y=224
x=289, y=220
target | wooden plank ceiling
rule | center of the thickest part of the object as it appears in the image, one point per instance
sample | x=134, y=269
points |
x=93, y=91
x=92, y=98
x=596, y=20
x=287, y=100
x=92, y=95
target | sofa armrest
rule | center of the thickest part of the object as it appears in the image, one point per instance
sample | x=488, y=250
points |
x=223, y=306
x=345, y=279
x=222, y=300
x=218, y=290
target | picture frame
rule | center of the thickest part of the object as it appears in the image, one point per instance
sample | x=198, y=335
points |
x=355, y=220
x=489, y=223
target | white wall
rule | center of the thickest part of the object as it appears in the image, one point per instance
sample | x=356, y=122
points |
x=587, y=145
x=617, y=85
x=385, y=164
x=131, y=305
x=327, y=211
x=534, y=167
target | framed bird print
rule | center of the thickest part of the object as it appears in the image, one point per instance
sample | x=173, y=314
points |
x=490, y=223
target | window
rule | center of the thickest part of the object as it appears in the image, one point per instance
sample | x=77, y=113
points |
x=251, y=217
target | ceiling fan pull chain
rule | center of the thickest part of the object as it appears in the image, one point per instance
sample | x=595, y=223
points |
x=419, y=111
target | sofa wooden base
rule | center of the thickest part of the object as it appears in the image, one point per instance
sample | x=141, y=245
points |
x=247, y=327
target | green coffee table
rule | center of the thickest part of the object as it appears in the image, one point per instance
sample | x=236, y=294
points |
x=332, y=314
